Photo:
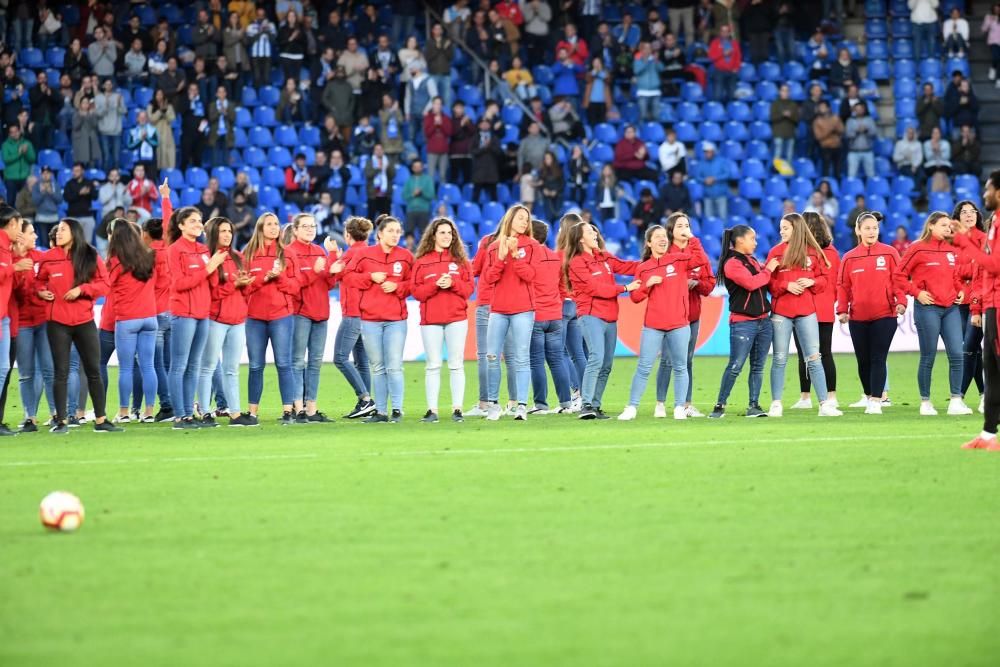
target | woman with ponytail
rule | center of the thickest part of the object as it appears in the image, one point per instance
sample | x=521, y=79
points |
x=349, y=354
x=590, y=275
x=700, y=284
x=153, y=235
x=576, y=356
x=547, y=337
x=970, y=220
x=869, y=302
x=34, y=356
x=802, y=273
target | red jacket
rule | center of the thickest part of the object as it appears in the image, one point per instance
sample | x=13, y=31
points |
x=6, y=274
x=483, y=290
x=229, y=303
x=437, y=135
x=376, y=305
x=669, y=302
x=737, y=274
x=162, y=276
x=592, y=279
x=189, y=290
x=988, y=274
x=14, y=313
x=826, y=299
x=700, y=269
x=625, y=151
x=513, y=276
x=350, y=297
x=720, y=61
x=441, y=306
x=32, y=311
x=785, y=303
x=55, y=274
x=274, y=299
x=930, y=265
x=866, y=289
x=134, y=299
x=107, y=321
x=577, y=52
x=313, y=300
x=143, y=193
x=966, y=267
x=549, y=286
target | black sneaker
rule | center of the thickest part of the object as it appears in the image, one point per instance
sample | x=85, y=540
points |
x=318, y=418
x=207, y=421
x=59, y=428
x=363, y=408
x=4, y=431
x=377, y=418
x=601, y=414
x=185, y=425
x=301, y=417
x=29, y=427
x=718, y=412
x=587, y=412
x=287, y=418
x=73, y=422
x=456, y=416
x=430, y=417
x=107, y=427
x=397, y=416
x=164, y=415
x=243, y=419
x=220, y=413
x=755, y=411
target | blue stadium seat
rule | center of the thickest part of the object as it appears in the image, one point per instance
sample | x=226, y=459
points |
x=469, y=212
x=902, y=49
x=795, y=71
x=901, y=28
x=875, y=8
x=196, y=177
x=309, y=135
x=876, y=29
x=264, y=116
x=667, y=114
x=689, y=112
x=966, y=182
x=269, y=96
x=959, y=65
x=175, y=178
x=904, y=69
x=899, y=8
x=851, y=187
x=274, y=177
x=900, y=205
x=190, y=196
x=260, y=137
x=878, y=186
x=511, y=114
x=739, y=111
x=54, y=57
x=605, y=133
x=769, y=71
x=877, y=49
x=712, y=132
x=759, y=150
x=751, y=189
x=905, y=106
x=776, y=186
x=686, y=132
x=511, y=135
x=226, y=177
x=652, y=132
x=903, y=186
x=748, y=73
x=243, y=118
x=492, y=212
x=254, y=156
x=767, y=90
x=33, y=58
x=248, y=96
x=801, y=187
x=760, y=131
x=714, y=111
x=732, y=150
x=692, y=92
x=471, y=95
x=879, y=70
x=51, y=159
x=737, y=131
x=754, y=169
x=279, y=156
x=285, y=135
x=269, y=197
x=771, y=207
x=615, y=230
x=930, y=68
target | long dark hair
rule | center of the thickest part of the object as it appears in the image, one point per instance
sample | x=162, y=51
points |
x=154, y=227
x=125, y=244
x=728, y=240
x=818, y=228
x=427, y=243
x=174, y=226
x=82, y=255
x=647, y=252
x=980, y=223
x=212, y=237
x=672, y=222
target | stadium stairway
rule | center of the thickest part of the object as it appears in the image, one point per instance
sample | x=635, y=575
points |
x=854, y=30
x=986, y=90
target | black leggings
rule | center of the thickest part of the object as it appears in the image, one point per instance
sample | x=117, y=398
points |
x=973, y=349
x=6, y=380
x=826, y=356
x=871, y=347
x=991, y=372
x=88, y=345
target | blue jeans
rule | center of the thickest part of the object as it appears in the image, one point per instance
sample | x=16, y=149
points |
x=663, y=372
x=858, y=159
x=347, y=342
x=672, y=345
x=723, y=84
x=73, y=399
x=807, y=329
x=784, y=44
x=108, y=347
x=482, y=367
x=547, y=345
x=34, y=369
x=279, y=332
x=4, y=348
x=746, y=339
x=111, y=148
x=933, y=322
x=575, y=357
x=308, y=336
x=227, y=340
x=187, y=342
x=784, y=148
x=717, y=207
x=924, y=36
x=443, y=82
x=601, y=338
x=133, y=337
x=519, y=326
x=162, y=359
x=384, y=342
x=218, y=391
x=649, y=108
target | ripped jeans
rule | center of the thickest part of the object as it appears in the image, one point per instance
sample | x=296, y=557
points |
x=807, y=329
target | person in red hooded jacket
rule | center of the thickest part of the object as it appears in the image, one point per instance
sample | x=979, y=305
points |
x=928, y=273
x=869, y=301
x=382, y=275
x=484, y=293
x=442, y=282
x=10, y=231
x=270, y=303
x=700, y=283
x=801, y=274
x=71, y=277
x=152, y=234
x=548, y=340
x=968, y=216
x=348, y=342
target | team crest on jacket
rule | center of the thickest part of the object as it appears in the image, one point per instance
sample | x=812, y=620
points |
x=521, y=253
x=607, y=267
x=670, y=269
x=452, y=266
x=880, y=261
x=204, y=259
x=397, y=268
x=809, y=262
x=951, y=258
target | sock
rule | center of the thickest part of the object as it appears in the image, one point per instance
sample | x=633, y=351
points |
x=986, y=435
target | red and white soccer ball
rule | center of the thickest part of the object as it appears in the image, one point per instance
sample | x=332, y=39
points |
x=61, y=510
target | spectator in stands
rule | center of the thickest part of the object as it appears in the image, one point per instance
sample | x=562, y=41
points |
x=860, y=206
x=576, y=47
x=579, y=174
x=608, y=193
x=828, y=131
x=79, y=194
x=86, y=145
x=194, y=127
x=758, y=24
x=674, y=66
x=390, y=120
x=366, y=24
x=292, y=46
x=243, y=185
x=631, y=156
x=173, y=81
x=784, y=31
x=646, y=69
x=930, y=109
x=45, y=104
x=908, y=155
x=456, y=19
x=75, y=62
x=379, y=175
x=418, y=195
x=64, y=117
x=961, y=107
x=724, y=52
x=363, y=138
x=726, y=12
x=550, y=186
x=937, y=154
x=849, y=101
x=408, y=54
x=205, y=81
x=705, y=21
x=675, y=196
x=519, y=80
x=564, y=123
x=486, y=156
x=646, y=212
x=88, y=89
x=334, y=34
x=565, y=74
x=626, y=32
x=299, y=183
x=205, y=38
x=460, y=145
x=47, y=196
x=818, y=203
x=113, y=194
x=597, y=97
x=24, y=202
x=420, y=91
x=843, y=73
x=18, y=156
x=339, y=100
x=385, y=60
x=242, y=217
x=208, y=206
x=157, y=61
x=109, y=107
x=102, y=53
x=234, y=47
x=437, y=133
x=902, y=240
x=809, y=108
x=135, y=65
x=681, y=14
x=991, y=28
x=965, y=157
x=924, y=19
x=672, y=154
x=532, y=148
x=537, y=17
x=713, y=172
x=142, y=141
x=142, y=190
x=261, y=35
x=785, y=114
x=161, y=114
x=292, y=104
x=819, y=51
x=861, y=134
x=338, y=182
x=439, y=52
x=955, y=32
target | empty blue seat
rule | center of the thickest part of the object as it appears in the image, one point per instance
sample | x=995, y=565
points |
x=269, y=96
x=511, y=114
x=966, y=182
x=264, y=116
x=511, y=135
x=285, y=135
x=760, y=131
x=652, y=132
x=957, y=65
x=190, y=196
x=226, y=177
x=248, y=96
x=732, y=150
x=51, y=159
x=33, y=58
x=930, y=68
x=878, y=186
x=904, y=69
x=879, y=70
x=450, y=193
x=748, y=73
x=905, y=107
x=254, y=156
x=274, y=177
x=901, y=205
x=800, y=187
x=269, y=196
x=712, y=132
x=902, y=49
x=471, y=95
x=602, y=153
x=686, y=132
x=903, y=185
x=469, y=212
x=751, y=189
x=737, y=131
x=714, y=112
x=769, y=71
x=754, y=169
x=767, y=90
x=759, y=150
x=739, y=111
x=605, y=133
x=851, y=187
x=876, y=29
x=54, y=56
x=309, y=135
x=615, y=230
x=776, y=186
x=901, y=28
x=877, y=49
x=196, y=177
x=261, y=137
x=692, y=92
x=795, y=71
x=492, y=212
x=174, y=178
x=689, y=112
x=280, y=156
x=772, y=207
x=875, y=8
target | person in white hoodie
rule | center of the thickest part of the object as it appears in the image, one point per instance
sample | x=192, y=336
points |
x=924, y=18
x=908, y=155
x=955, y=32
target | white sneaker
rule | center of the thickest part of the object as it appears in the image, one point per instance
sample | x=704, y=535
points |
x=998, y=83
x=993, y=74
x=927, y=409
x=776, y=409
x=828, y=409
x=982, y=405
x=886, y=402
x=957, y=406
x=863, y=403
x=693, y=411
x=628, y=414
x=521, y=413
x=577, y=403
x=509, y=410
x=659, y=412
x=538, y=411
x=680, y=412
x=121, y=419
x=493, y=412
x=874, y=407
x=834, y=402
x=475, y=412
x=803, y=404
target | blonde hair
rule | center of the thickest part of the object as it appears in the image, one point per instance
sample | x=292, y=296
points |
x=799, y=244
x=256, y=243
x=506, y=227
x=932, y=219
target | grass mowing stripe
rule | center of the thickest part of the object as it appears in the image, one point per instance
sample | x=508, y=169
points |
x=176, y=459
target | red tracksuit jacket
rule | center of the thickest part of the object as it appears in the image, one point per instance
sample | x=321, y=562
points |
x=269, y=301
x=785, y=303
x=988, y=272
x=376, y=305
x=162, y=277
x=31, y=310
x=826, y=299
x=754, y=283
x=349, y=296
x=669, y=302
x=700, y=269
x=592, y=279
x=313, y=301
x=549, y=286
x=930, y=265
x=55, y=274
x=866, y=289
x=134, y=299
x=483, y=290
x=189, y=290
x=229, y=303
x=512, y=277
x=6, y=275
x=441, y=306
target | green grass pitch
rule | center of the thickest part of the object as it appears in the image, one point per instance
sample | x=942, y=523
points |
x=799, y=541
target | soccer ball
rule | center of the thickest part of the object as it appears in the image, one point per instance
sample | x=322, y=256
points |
x=61, y=510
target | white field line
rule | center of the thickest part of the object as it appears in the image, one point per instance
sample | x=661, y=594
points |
x=174, y=459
